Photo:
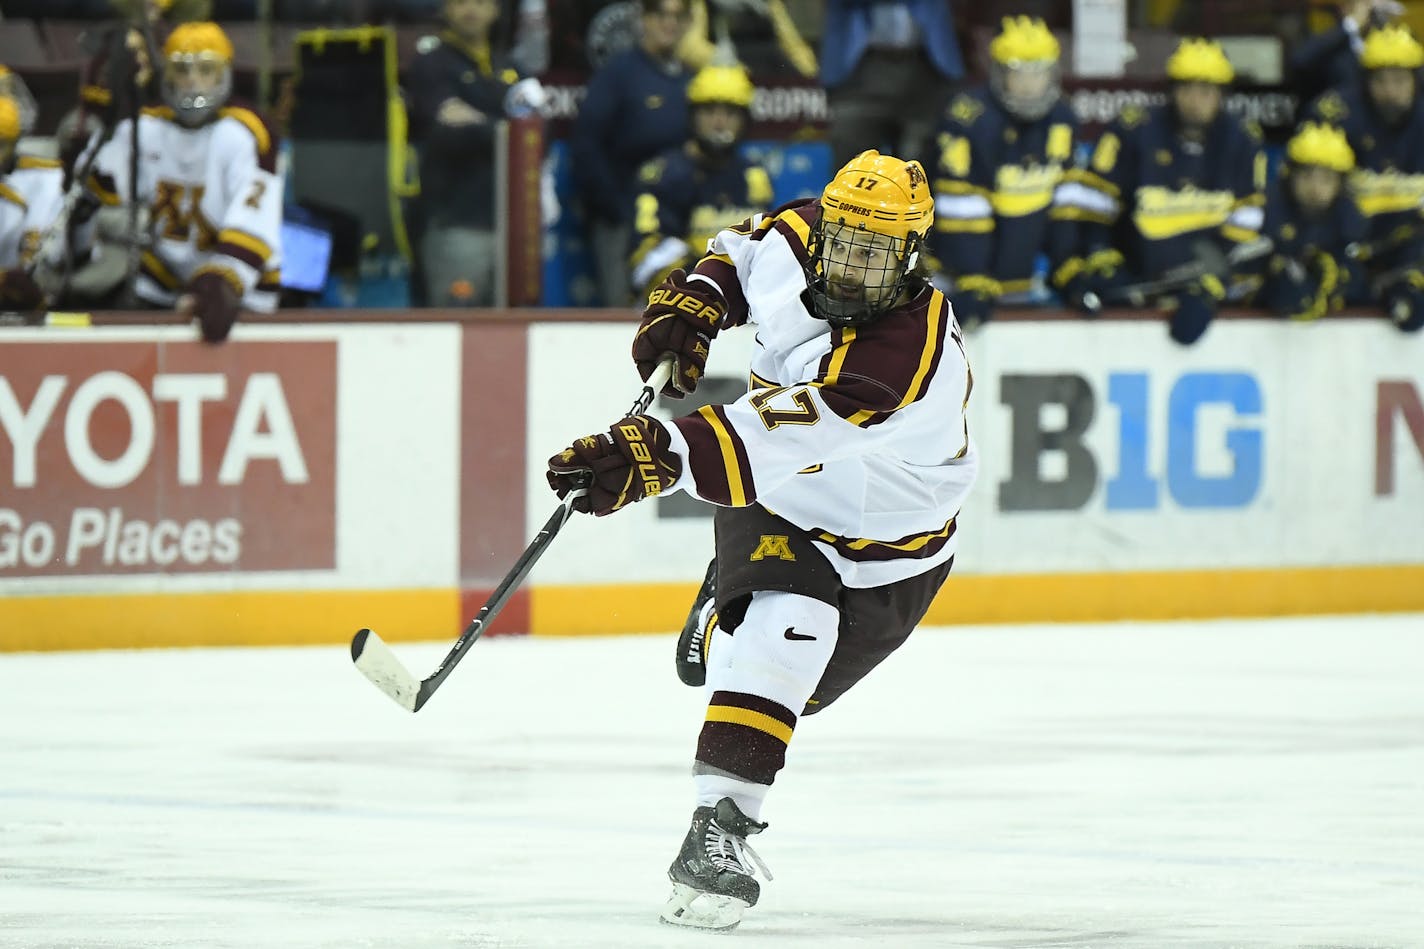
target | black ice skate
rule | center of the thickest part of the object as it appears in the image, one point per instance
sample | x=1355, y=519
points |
x=712, y=879
x=692, y=643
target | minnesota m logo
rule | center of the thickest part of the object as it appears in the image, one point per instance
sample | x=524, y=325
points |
x=773, y=545
x=177, y=212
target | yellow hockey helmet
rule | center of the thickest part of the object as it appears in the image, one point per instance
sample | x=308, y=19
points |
x=1392, y=47
x=197, y=72
x=1024, y=40
x=726, y=84
x=12, y=87
x=882, y=194
x=873, y=196
x=1319, y=144
x=198, y=39
x=9, y=122
x=1197, y=59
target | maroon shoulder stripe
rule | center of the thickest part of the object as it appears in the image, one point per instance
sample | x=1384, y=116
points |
x=717, y=457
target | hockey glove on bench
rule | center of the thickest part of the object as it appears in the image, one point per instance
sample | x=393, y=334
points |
x=633, y=461
x=681, y=320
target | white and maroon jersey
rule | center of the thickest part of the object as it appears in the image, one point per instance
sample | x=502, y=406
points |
x=214, y=197
x=856, y=435
x=31, y=199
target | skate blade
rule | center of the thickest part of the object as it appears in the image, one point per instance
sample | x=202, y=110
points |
x=697, y=910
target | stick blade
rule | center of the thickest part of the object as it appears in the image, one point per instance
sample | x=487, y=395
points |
x=374, y=660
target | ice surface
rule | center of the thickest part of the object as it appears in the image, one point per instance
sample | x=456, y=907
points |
x=1148, y=786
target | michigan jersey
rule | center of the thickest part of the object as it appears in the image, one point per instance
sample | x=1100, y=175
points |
x=1152, y=195
x=682, y=203
x=1000, y=199
x=31, y=200
x=214, y=198
x=859, y=436
x=1388, y=180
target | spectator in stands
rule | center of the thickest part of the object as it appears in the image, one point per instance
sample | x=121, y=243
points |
x=636, y=108
x=745, y=23
x=689, y=193
x=889, y=67
x=208, y=175
x=1383, y=119
x=459, y=89
x=1173, y=189
x=999, y=199
x=31, y=202
x=1331, y=60
x=119, y=77
x=1315, y=228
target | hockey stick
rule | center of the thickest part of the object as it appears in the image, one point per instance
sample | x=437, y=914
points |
x=377, y=662
x=1209, y=260
x=1368, y=250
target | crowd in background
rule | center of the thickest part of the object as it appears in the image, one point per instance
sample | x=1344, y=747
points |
x=1179, y=205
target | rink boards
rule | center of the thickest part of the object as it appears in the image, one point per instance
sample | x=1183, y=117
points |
x=303, y=481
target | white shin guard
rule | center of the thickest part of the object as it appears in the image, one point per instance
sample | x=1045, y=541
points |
x=778, y=652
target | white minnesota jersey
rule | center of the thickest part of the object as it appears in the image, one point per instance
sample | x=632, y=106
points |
x=214, y=197
x=856, y=435
x=31, y=198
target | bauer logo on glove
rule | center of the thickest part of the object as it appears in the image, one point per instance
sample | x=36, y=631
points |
x=681, y=320
x=633, y=461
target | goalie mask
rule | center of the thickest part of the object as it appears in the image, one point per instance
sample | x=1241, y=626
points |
x=197, y=72
x=864, y=250
x=1024, y=71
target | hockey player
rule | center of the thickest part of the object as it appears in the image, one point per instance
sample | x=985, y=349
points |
x=838, y=480
x=207, y=172
x=31, y=200
x=1165, y=178
x=1384, y=123
x=689, y=193
x=1000, y=200
x=1314, y=225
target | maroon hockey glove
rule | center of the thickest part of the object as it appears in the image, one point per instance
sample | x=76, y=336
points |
x=18, y=291
x=681, y=320
x=215, y=302
x=633, y=461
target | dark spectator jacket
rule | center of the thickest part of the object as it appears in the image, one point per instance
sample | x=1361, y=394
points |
x=1323, y=62
x=1388, y=180
x=457, y=162
x=635, y=109
x=1167, y=195
x=995, y=181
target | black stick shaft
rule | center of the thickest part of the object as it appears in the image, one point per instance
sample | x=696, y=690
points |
x=526, y=561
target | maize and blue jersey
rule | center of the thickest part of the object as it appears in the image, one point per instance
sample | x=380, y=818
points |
x=1000, y=198
x=682, y=202
x=1316, y=247
x=1152, y=194
x=1388, y=180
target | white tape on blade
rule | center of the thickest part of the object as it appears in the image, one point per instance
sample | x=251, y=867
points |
x=385, y=671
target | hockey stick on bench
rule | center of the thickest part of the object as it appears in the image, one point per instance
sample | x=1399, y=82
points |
x=377, y=662
x=1210, y=260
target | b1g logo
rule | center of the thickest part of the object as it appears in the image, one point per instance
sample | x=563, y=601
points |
x=1033, y=400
